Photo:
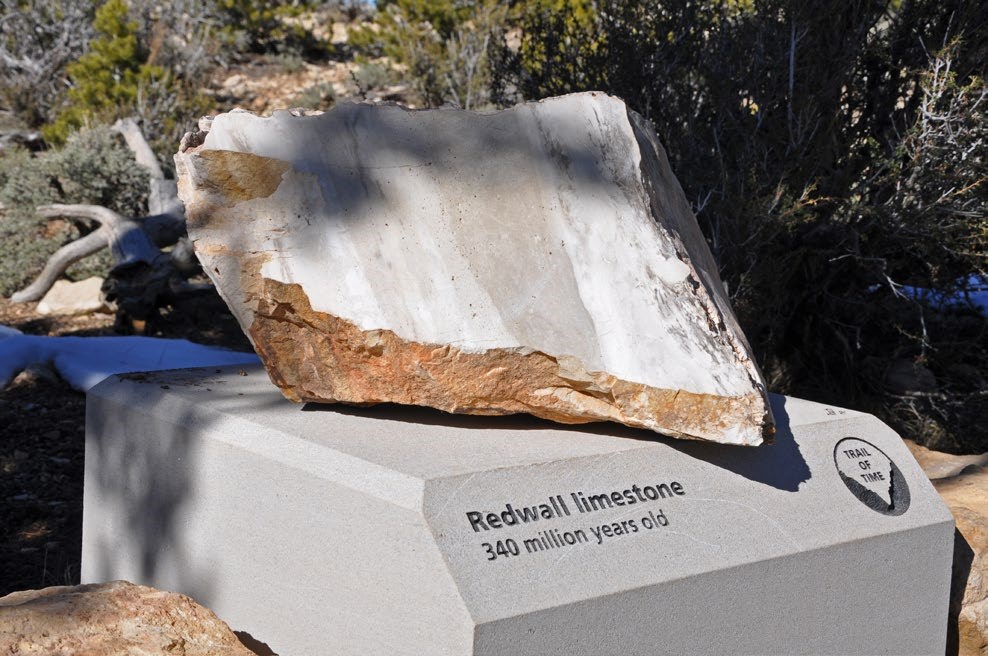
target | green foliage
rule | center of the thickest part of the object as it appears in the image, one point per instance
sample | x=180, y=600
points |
x=289, y=63
x=372, y=75
x=117, y=76
x=831, y=159
x=442, y=16
x=92, y=168
x=109, y=79
x=927, y=197
x=441, y=46
x=38, y=38
x=573, y=23
x=318, y=96
x=265, y=26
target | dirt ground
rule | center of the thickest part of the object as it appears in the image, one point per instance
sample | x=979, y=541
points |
x=42, y=441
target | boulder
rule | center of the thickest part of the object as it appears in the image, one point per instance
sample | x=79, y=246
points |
x=541, y=259
x=967, y=497
x=938, y=465
x=962, y=482
x=111, y=619
x=66, y=297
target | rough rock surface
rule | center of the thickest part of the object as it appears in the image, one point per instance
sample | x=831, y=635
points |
x=962, y=482
x=66, y=297
x=111, y=619
x=967, y=497
x=541, y=259
x=938, y=465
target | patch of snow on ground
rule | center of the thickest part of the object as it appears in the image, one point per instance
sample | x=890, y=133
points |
x=85, y=361
x=979, y=292
x=975, y=294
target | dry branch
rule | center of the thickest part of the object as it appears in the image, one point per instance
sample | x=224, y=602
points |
x=61, y=260
x=142, y=272
x=128, y=242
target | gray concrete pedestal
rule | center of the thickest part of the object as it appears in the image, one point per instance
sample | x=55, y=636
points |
x=327, y=530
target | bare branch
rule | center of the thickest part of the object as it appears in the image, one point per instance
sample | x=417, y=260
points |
x=61, y=260
x=163, y=194
x=134, y=137
x=129, y=244
x=142, y=273
x=102, y=215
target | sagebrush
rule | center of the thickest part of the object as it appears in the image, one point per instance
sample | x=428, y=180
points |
x=93, y=168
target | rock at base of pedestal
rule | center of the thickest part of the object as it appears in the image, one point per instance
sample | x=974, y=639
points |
x=116, y=618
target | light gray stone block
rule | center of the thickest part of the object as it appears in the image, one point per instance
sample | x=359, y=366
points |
x=336, y=530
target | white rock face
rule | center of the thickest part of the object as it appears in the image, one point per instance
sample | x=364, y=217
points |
x=551, y=237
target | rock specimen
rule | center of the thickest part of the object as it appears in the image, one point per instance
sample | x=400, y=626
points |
x=111, y=619
x=541, y=259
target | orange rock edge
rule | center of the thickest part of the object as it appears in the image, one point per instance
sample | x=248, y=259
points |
x=315, y=356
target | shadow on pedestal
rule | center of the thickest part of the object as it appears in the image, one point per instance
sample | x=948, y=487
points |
x=779, y=465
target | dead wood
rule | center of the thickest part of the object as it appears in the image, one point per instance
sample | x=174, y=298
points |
x=143, y=276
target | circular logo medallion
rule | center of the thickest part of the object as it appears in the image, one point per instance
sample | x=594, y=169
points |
x=871, y=476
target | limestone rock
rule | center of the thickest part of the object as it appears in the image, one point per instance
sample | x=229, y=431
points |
x=541, y=259
x=111, y=619
x=66, y=297
x=966, y=494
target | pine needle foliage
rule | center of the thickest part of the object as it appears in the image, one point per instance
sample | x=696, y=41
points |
x=109, y=79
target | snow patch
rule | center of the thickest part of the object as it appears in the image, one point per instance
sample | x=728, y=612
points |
x=6, y=331
x=974, y=294
x=85, y=361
